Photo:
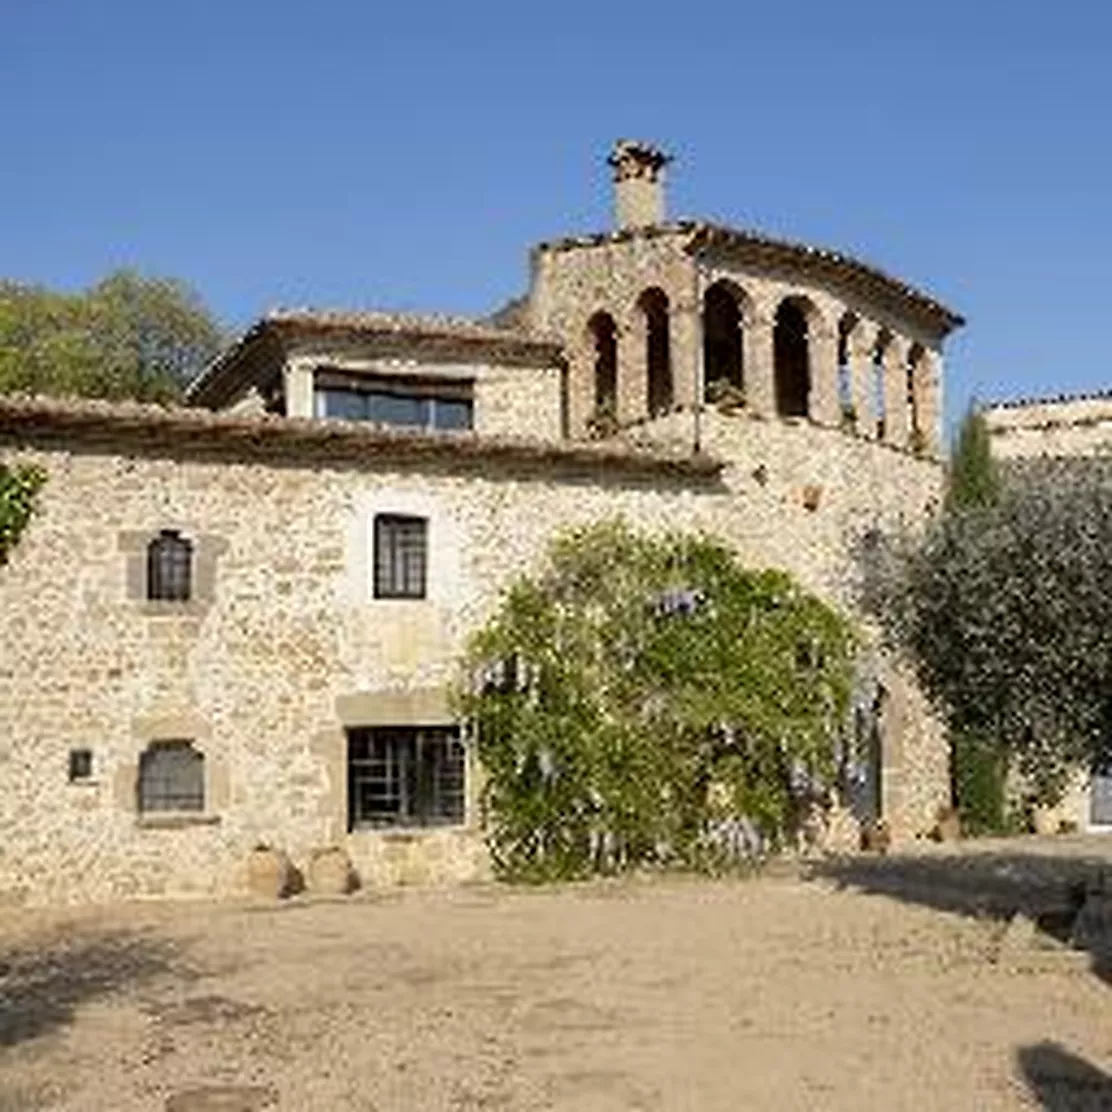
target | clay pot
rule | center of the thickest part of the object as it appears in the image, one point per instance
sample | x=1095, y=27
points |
x=330, y=872
x=948, y=828
x=269, y=873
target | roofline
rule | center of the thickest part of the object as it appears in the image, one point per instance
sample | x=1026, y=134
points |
x=170, y=431
x=467, y=338
x=708, y=235
x=1052, y=399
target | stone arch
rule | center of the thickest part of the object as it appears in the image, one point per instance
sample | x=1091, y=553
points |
x=653, y=304
x=884, y=341
x=791, y=355
x=847, y=410
x=603, y=333
x=725, y=307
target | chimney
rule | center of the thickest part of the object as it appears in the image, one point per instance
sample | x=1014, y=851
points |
x=638, y=183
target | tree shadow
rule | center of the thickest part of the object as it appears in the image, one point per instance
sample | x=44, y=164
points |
x=1063, y=1082
x=42, y=985
x=1048, y=889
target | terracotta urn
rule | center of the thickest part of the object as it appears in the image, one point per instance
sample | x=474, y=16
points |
x=330, y=872
x=269, y=873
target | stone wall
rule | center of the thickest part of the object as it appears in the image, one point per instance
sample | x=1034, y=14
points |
x=1059, y=427
x=290, y=647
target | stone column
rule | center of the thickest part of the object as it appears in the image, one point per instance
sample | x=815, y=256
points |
x=760, y=386
x=297, y=383
x=822, y=353
x=633, y=370
x=897, y=413
x=859, y=346
x=928, y=401
x=685, y=328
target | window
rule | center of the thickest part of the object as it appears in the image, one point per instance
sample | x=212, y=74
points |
x=80, y=765
x=171, y=778
x=404, y=776
x=401, y=546
x=394, y=400
x=169, y=567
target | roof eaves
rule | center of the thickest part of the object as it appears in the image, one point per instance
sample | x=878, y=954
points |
x=195, y=431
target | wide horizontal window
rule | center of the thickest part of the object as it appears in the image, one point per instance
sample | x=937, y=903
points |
x=405, y=402
x=405, y=776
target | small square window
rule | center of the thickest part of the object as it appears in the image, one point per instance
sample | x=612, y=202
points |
x=80, y=765
x=401, y=554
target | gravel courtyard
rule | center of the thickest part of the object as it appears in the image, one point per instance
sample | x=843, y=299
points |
x=875, y=984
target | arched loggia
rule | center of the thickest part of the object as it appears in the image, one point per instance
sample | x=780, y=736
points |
x=792, y=358
x=653, y=304
x=723, y=339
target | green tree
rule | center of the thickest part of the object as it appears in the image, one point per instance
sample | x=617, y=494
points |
x=128, y=336
x=1006, y=608
x=973, y=478
x=641, y=697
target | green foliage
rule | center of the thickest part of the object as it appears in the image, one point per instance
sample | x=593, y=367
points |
x=18, y=487
x=641, y=695
x=1006, y=608
x=126, y=337
x=973, y=478
x=980, y=773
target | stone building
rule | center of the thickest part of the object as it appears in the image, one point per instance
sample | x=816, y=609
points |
x=238, y=622
x=1077, y=427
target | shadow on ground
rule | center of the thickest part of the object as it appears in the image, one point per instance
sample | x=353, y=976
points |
x=1048, y=889
x=41, y=986
x=1063, y=1082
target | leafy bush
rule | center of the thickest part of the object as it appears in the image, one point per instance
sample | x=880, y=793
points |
x=18, y=487
x=648, y=701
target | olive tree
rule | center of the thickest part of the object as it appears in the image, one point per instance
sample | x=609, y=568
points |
x=1005, y=605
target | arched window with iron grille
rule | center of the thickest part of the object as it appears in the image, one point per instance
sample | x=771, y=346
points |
x=171, y=777
x=169, y=567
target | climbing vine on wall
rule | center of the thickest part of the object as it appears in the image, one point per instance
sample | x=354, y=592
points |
x=18, y=487
x=647, y=701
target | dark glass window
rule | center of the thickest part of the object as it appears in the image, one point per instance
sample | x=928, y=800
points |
x=80, y=765
x=171, y=777
x=405, y=776
x=406, y=402
x=401, y=553
x=169, y=567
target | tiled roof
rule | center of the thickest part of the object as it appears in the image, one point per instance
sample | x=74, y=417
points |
x=703, y=234
x=443, y=335
x=190, y=431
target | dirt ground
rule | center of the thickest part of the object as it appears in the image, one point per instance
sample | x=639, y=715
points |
x=866, y=984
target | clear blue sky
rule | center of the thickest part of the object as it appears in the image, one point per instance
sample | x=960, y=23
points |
x=347, y=154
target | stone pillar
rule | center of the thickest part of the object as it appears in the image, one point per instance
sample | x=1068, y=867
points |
x=897, y=413
x=760, y=385
x=859, y=346
x=822, y=352
x=928, y=401
x=297, y=382
x=685, y=324
x=633, y=371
